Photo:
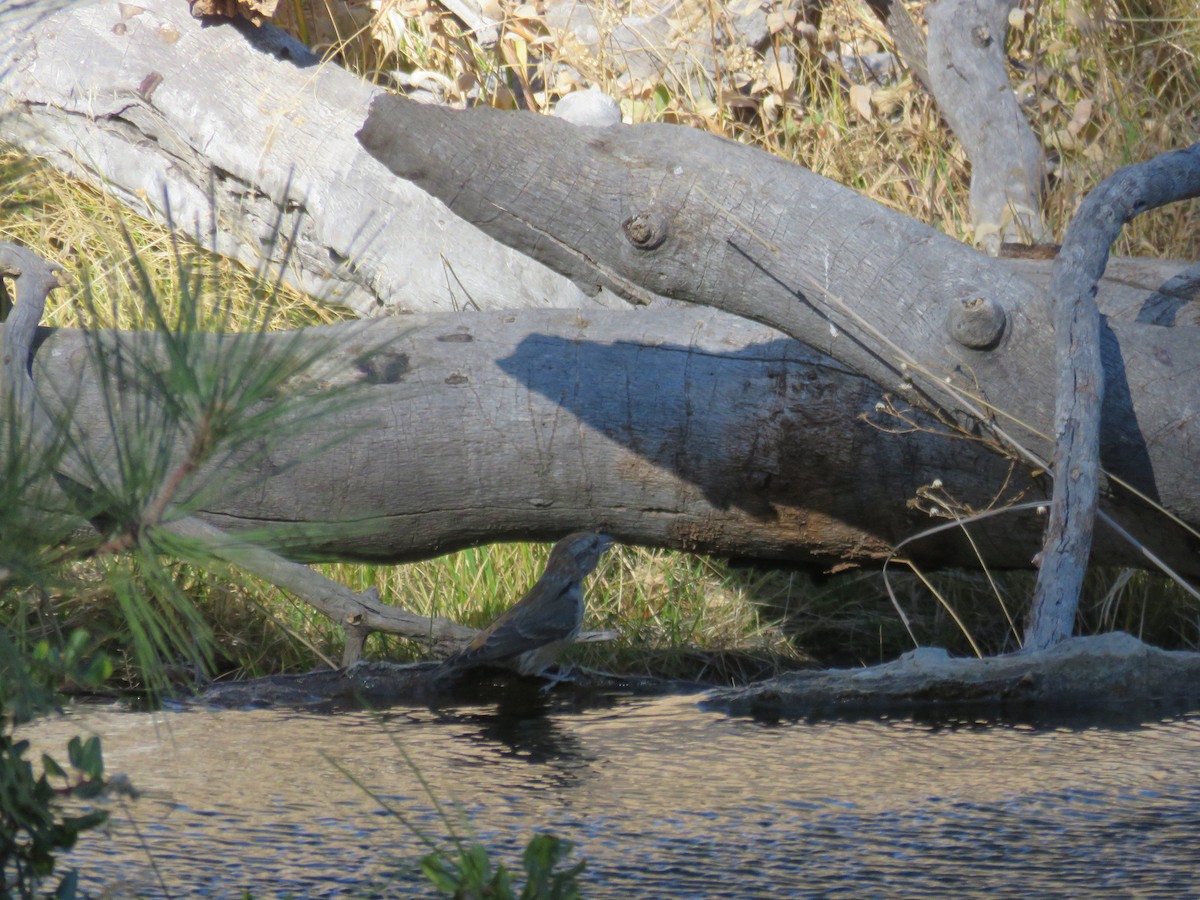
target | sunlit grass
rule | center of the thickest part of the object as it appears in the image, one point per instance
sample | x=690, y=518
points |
x=97, y=239
x=662, y=605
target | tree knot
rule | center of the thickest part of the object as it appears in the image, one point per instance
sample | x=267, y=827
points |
x=976, y=322
x=646, y=230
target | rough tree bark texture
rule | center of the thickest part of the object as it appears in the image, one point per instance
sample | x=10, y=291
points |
x=164, y=112
x=479, y=427
x=691, y=216
x=909, y=38
x=282, y=116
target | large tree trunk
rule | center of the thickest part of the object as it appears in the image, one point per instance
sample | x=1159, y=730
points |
x=681, y=428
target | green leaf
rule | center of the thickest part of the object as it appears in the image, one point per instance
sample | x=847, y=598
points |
x=662, y=97
x=52, y=768
x=75, y=752
x=476, y=866
x=444, y=876
x=542, y=854
x=91, y=758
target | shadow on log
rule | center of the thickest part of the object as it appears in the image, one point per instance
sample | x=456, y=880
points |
x=707, y=433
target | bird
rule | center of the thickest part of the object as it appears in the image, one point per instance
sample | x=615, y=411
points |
x=529, y=636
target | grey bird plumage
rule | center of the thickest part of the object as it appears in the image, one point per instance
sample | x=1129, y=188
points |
x=529, y=636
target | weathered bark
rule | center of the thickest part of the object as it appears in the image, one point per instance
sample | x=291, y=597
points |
x=909, y=38
x=1110, y=673
x=242, y=135
x=691, y=430
x=662, y=210
x=688, y=215
x=92, y=121
x=1133, y=289
x=1080, y=388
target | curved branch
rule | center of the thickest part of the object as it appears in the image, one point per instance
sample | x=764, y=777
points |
x=1079, y=396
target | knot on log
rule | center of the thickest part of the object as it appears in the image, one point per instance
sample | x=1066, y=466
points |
x=646, y=230
x=976, y=322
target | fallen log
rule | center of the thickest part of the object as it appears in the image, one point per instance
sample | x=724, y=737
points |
x=698, y=431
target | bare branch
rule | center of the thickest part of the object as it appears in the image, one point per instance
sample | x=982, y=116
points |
x=1080, y=391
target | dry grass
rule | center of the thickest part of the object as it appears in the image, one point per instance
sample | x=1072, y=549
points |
x=97, y=240
x=1106, y=82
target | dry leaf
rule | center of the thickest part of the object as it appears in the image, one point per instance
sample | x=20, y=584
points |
x=781, y=20
x=888, y=100
x=860, y=99
x=772, y=105
x=780, y=78
x=1082, y=115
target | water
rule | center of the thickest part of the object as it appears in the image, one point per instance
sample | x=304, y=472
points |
x=662, y=798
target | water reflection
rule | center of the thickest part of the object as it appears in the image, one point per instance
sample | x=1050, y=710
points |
x=662, y=798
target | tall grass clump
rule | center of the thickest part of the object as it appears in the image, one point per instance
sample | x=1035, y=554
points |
x=189, y=385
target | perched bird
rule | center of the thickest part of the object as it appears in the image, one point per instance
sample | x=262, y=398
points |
x=530, y=635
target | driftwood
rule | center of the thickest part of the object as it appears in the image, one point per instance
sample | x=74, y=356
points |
x=986, y=360
x=1112, y=673
x=1080, y=387
x=476, y=427
x=374, y=685
x=968, y=76
x=1112, y=677
x=277, y=151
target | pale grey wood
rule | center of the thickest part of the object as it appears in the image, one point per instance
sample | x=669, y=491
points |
x=909, y=38
x=680, y=428
x=691, y=216
x=968, y=76
x=164, y=112
x=1112, y=672
x=1080, y=390
x=1133, y=289
x=1108, y=673
x=358, y=613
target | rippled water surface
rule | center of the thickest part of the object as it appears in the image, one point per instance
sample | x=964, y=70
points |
x=663, y=799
